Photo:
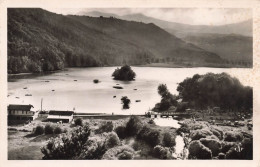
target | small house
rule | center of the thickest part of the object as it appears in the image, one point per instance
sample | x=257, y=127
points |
x=64, y=116
x=21, y=112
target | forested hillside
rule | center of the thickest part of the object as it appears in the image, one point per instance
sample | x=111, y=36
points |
x=232, y=47
x=39, y=40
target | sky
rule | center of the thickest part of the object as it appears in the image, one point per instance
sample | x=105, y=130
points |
x=193, y=16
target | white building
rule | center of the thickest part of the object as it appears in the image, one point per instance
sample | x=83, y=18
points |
x=64, y=116
x=21, y=112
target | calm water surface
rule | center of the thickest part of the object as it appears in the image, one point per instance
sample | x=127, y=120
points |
x=63, y=93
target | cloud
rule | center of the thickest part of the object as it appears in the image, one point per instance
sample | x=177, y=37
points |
x=194, y=16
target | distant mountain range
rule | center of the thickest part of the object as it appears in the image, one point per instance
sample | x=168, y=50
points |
x=180, y=30
x=39, y=40
x=233, y=42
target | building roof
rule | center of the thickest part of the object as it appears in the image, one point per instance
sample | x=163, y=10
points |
x=59, y=117
x=65, y=113
x=20, y=107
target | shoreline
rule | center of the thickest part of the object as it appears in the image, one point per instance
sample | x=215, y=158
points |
x=157, y=65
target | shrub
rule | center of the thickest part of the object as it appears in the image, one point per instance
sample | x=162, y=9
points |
x=213, y=145
x=125, y=155
x=233, y=154
x=149, y=135
x=247, y=149
x=78, y=122
x=112, y=140
x=162, y=152
x=197, y=126
x=198, y=134
x=183, y=129
x=125, y=101
x=212, y=137
x=221, y=156
x=233, y=136
x=199, y=151
x=133, y=126
x=151, y=121
x=217, y=132
x=93, y=149
x=48, y=129
x=66, y=146
x=168, y=140
x=226, y=146
x=57, y=130
x=125, y=73
x=119, y=152
x=65, y=131
x=120, y=131
x=39, y=130
x=105, y=127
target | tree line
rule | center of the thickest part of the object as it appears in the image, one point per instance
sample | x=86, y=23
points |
x=209, y=90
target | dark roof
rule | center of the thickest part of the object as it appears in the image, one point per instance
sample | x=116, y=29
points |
x=67, y=113
x=20, y=107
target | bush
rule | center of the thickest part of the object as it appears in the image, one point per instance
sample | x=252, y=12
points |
x=247, y=149
x=57, y=130
x=105, y=127
x=125, y=101
x=233, y=136
x=233, y=154
x=48, y=129
x=212, y=137
x=162, y=152
x=125, y=73
x=39, y=130
x=226, y=146
x=199, y=151
x=183, y=129
x=168, y=140
x=217, y=132
x=66, y=146
x=78, y=122
x=64, y=131
x=125, y=155
x=133, y=126
x=213, y=145
x=221, y=156
x=93, y=149
x=151, y=121
x=112, y=140
x=120, y=131
x=150, y=136
x=119, y=152
x=198, y=134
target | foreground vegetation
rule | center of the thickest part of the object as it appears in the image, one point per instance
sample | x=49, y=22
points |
x=205, y=141
x=134, y=139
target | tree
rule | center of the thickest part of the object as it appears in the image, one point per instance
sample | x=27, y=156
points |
x=167, y=99
x=210, y=90
x=125, y=73
x=125, y=102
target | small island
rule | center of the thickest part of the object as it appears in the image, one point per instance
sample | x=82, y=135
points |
x=125, y=73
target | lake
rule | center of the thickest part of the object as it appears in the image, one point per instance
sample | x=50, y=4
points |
x=74, y=88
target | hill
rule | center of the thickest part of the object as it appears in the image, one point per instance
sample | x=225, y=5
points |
x=180, y=30
x=244, y=28
x=232, y=47
x=39, y=40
